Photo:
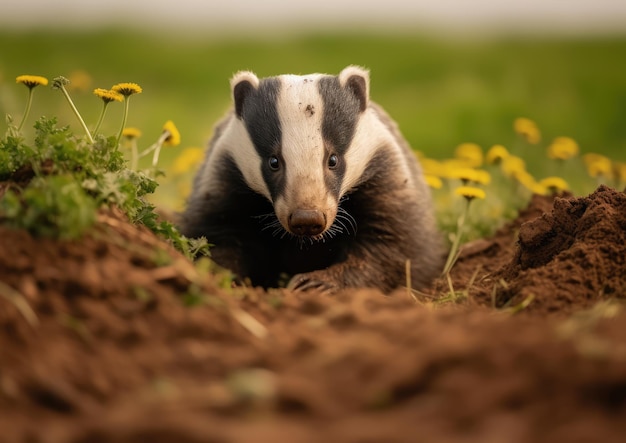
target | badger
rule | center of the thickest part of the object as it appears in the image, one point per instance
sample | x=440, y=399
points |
x=306, y=177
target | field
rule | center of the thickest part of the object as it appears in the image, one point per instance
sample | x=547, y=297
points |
x=442, y=92
x=109, y=333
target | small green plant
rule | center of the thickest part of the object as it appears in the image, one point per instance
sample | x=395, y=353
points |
x=54, y=206
x=54, y=185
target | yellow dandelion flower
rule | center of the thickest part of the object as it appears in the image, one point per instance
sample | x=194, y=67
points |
x=529, y=182
x=592, y=157
x=600, y=168
x=619, y=170
x=471, y=153
x=80, y=80
x=127, y=89
x=450, y=166
x=563, y=148
x=470, y=192
x=467, y=175
x=554, y=184
x=464, y=174
x=31, y=80
x=512, y=165
x=108, y=95
x=131, y=133
x=173, y=139
x=188, y=159
x=482, y=177
x=539, y=189
x=527, y=129
x=496, y=154
x=432, y=167
x=433, y=181
x=170, y=137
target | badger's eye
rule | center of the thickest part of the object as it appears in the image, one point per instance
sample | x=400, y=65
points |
x=273, y=163
x=333, y=161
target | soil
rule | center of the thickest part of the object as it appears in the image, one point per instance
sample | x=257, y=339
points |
x=107, y=339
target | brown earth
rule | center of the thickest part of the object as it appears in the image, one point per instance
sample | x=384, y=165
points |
x=108, y=339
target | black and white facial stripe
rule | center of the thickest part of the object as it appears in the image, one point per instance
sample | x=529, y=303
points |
x=303, y=142
x=256, y=107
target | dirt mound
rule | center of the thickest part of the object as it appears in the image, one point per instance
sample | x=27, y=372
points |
x=109, y=339
x=571, y=258
x=559, y=256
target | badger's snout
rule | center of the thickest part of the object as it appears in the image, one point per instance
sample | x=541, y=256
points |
x=307, y=222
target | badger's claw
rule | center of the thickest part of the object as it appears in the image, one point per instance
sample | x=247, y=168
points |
x=311, y=282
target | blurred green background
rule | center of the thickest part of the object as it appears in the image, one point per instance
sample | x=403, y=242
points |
x=442, y=91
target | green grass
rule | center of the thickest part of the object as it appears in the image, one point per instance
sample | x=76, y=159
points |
x=441, y=92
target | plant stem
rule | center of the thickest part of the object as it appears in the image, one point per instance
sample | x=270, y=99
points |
x=454, y=250
x=157, y=151
x=148, y=150
x=80, y=119
x=407, y=272
x=27, y=110
x=119, y=135
x=104, y=109
x=19, y=301
x=134, y=158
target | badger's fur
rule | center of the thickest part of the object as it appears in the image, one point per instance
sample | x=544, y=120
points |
x=307, y=177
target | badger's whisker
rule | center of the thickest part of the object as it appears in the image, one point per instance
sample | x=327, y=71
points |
x=272, y=225
x=343, y=215
x=339, y=226
x=331, y=233
x=265, y=216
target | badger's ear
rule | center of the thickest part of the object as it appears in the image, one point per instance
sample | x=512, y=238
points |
x=241, y=85
x=357, y=81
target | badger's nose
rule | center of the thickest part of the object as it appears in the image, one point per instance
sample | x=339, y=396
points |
x=308, y=222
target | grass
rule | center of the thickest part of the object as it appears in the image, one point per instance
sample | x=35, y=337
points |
x=21, y=304
x=442, y=93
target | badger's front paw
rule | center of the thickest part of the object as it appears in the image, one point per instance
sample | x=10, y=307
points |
x=312, y=281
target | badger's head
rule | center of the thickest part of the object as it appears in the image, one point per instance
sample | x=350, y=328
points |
x=294, y=140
